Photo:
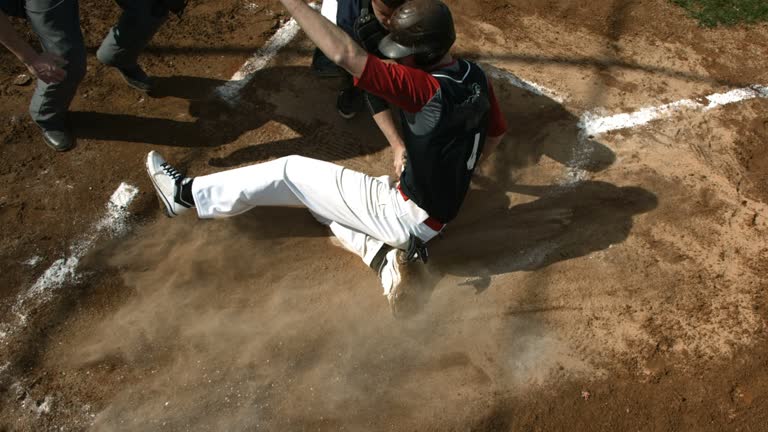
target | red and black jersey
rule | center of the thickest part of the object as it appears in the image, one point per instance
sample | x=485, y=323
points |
x=446, y=114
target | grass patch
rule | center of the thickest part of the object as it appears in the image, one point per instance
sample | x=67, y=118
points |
x=711, y=13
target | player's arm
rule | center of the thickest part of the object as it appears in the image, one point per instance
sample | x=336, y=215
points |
x=334, y=42
x=407, y=88
x=386, y=123
x=45, y=66
x=497, y=125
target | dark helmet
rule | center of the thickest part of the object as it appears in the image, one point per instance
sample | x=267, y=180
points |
x=393, y=3
x=422, y=28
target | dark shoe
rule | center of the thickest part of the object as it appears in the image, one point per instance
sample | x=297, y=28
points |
x=350, y=102
x=323, y=67
x=59, y=140
x=136, y=78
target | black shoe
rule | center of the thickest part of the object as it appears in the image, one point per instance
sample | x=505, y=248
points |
x=323, y=67
x=59, y=140
x=349, y=102
x=136, y=78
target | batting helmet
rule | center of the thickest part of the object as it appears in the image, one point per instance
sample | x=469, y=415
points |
x=422, y=28
x=393, y=3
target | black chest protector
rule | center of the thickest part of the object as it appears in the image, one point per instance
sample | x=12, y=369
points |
x=445, y=140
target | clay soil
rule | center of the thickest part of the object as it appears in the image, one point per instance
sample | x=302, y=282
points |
x=611, y=282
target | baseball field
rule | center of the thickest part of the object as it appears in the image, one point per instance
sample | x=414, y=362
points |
x=608, y=271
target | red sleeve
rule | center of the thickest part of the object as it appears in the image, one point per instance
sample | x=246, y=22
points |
x=407, y=88
x=497, y=124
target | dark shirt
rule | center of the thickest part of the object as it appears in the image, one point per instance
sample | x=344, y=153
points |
x=446, y=114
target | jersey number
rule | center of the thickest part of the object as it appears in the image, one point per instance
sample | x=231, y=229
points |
x=473, y=158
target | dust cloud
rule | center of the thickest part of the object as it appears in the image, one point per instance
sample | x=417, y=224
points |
x=259, y=322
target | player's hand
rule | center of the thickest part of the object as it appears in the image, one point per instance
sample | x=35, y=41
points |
x=47, y=67
x=398, y=160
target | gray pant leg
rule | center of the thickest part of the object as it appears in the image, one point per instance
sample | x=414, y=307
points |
x=139, y=22
x=58, y=27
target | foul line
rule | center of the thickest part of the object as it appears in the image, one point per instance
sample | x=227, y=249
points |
x=516, y=81
x=63, y=271
x=593, y=124
x=229, y=92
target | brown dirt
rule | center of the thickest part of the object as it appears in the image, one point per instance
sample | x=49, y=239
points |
x=631, y=300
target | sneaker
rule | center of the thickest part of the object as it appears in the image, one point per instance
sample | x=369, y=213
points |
x=135, y=77
x=393, y=274
x=349, y=102
x=167, y=181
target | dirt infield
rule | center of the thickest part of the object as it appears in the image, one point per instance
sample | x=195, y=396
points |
x=593, y=281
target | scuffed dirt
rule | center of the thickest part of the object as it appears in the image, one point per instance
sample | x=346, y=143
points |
x=629, y=267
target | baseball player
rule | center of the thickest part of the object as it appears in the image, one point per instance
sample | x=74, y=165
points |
x=62, y=65
x=451, y=120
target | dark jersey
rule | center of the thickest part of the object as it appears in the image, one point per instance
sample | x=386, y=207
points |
x=447, y=113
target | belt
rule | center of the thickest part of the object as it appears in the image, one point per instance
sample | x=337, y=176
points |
x=430, y=221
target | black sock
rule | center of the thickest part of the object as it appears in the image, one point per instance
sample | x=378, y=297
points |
x=185, y=196
x=380, y=259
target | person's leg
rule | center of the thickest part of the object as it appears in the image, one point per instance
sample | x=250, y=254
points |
x=352, y=200
x=57, y=24
x=350, y=100
x=140, y=20
x=322, y=66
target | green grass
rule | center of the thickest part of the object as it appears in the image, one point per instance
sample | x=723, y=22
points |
x=711, y=13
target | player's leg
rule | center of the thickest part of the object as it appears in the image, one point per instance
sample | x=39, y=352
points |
x=331, y=192
x=365, y=213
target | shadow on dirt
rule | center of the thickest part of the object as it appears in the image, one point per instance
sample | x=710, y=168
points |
x=319, y=132
x=499, y=231
x=564, y=222
x=616, y=28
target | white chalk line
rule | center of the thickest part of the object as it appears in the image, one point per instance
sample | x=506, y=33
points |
x=64, y=270
x=229, y=92
x=516, y=81
x=593, y=124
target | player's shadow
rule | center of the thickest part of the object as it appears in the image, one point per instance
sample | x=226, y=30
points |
x=492, y=236
x=288, y=99
x=562, y=223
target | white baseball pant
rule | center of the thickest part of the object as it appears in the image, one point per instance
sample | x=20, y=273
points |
x=363, y=212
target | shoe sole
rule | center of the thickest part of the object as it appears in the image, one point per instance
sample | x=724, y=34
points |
x=58, y=149
x=346, y=116
x=396, y=296
x=160, y=197
x=131, y=84
x=134, y=86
